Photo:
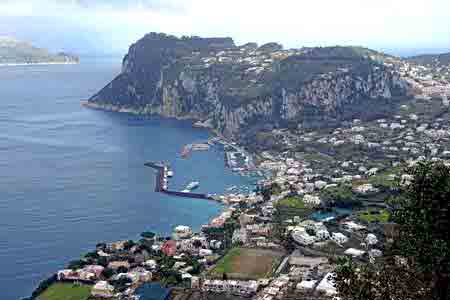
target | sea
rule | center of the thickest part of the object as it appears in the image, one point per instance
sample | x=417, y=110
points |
x=71, y=177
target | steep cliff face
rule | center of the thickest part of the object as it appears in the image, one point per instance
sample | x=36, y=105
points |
x=243, y=89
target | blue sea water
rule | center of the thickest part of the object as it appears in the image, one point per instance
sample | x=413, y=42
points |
x=71, y=177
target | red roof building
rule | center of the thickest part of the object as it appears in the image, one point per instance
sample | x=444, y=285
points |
x=169, y=248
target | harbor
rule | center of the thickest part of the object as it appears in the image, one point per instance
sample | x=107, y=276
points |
x=236, y=158
x=162, y=180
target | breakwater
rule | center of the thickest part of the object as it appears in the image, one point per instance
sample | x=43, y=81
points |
x=161, y=183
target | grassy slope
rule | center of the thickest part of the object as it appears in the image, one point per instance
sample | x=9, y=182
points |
x=66, y=291
x=225, y=264
x=293, y=202
x=382, y=216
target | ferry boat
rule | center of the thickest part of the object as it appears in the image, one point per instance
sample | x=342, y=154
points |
x=193, y=185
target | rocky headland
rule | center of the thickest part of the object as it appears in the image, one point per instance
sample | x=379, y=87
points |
x=241, y=90
x=15, y=52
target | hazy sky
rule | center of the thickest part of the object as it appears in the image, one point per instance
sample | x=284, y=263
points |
x=111, y=26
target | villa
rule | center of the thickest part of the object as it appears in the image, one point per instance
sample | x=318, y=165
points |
x=102, y=289
x=339, y=238
x=245, y=288
x=182, y=232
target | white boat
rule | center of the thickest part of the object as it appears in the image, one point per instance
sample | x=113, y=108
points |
x=185, y=191
x=193, y=185
x=169, y=173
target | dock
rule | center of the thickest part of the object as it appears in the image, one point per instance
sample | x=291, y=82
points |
x=161, y=183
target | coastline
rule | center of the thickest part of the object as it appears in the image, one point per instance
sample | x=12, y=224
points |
x=37, y=64
x=226, y=206
x=129, y=110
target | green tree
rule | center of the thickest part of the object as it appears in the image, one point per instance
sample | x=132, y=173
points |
x=148, y=235
x=422, y=212
x=224, y=276
x=129, y=244
x=416, y=265
x=76, y=264
x=108, y=273
x=92, y=254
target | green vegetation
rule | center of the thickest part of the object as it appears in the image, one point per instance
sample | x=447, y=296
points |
x=274, y=189
x=318, y=157
x=294, y=202
x=374, y=215
x=382, y=179
x=66, y=291
x=340, y=195
x=148, y=235
x=298, y=69
x=77, y=264
x=421, y=215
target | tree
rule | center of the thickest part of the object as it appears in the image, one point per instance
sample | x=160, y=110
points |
x=274, y=189
x=379, y=281
x=76, y=264
x=129, y=244
x=422, y=212
x=148, y=235
x=92, y=254
x=416, y=265
x=107, y=273
x=224, y=276
x=197, y=244
x=102, y=261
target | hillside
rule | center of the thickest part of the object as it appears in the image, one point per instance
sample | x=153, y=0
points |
x=436, y=64
x=243, y=89
x=13, y=51
x=431, y=59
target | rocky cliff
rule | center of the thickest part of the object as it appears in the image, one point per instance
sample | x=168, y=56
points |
x=240, y=90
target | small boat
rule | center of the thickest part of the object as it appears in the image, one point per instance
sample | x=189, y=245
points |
x=186, y=151
x=185, y=191
x=169, y=173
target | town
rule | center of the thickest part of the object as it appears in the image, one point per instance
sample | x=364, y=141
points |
x=324, y=197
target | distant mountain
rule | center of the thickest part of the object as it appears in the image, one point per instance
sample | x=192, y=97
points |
x=436, y=64
x=13, y=51
x=431, y=59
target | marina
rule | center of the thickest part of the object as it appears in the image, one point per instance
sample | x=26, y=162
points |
x=161, y=184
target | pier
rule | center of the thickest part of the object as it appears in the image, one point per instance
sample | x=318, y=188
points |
x=161, y=183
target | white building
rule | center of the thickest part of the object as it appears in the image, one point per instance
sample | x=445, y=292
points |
x=339, y=238
x=151, y=263
x=245, y=288
x=205, y=252
x=102, y=289
x=327, y=285
x=373, y=253
x=323, y=234
x=306, y=284
x=311, y=200
x=354, y=252
x=303, y=238
x=352, y=226
x=182, y=232
x=371, y=239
